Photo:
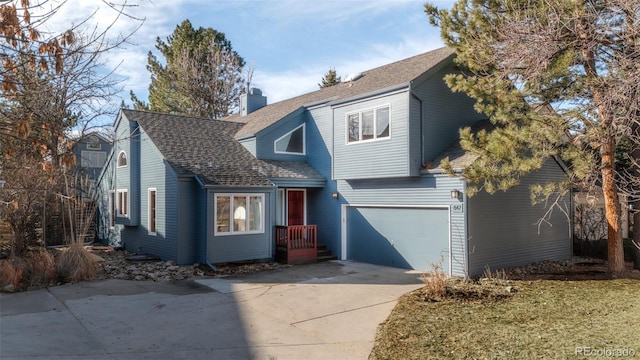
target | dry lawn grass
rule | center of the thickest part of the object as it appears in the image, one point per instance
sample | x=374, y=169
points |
x=542, y=319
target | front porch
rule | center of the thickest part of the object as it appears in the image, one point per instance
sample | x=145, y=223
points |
x=296, y=244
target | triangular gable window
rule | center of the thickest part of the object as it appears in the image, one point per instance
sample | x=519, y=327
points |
x=292, y=142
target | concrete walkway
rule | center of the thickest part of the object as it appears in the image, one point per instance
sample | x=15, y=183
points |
x=320, y=311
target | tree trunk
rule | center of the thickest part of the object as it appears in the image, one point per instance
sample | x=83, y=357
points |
x=19, y=244
x=636, y=239
x=615, y=255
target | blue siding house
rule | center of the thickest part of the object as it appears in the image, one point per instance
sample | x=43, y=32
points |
x=91, y=153
x=353, y=166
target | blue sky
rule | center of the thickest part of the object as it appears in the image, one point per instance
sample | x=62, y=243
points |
x=290, y=44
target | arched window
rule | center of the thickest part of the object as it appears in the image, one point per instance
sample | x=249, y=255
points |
x=122, y=159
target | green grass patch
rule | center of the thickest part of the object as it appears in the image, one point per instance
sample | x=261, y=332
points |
x=539, y=320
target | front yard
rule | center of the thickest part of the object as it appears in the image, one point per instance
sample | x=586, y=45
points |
x=540, y=319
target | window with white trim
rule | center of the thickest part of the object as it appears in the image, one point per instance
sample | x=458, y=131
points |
x=239, y=214
x=122, y=196
x=112, y=208
x=152, y=213
x=92, y=159
x=93, y=143
x=122, y=159
x=292, y=142
x=368, y=125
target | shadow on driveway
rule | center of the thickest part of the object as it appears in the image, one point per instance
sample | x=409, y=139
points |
x=317, y=311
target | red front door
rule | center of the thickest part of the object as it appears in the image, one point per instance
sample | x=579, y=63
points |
x=295, y=207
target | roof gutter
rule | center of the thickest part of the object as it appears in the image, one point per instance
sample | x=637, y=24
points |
x=234, y=186
x=385, y=91
x=245, y=137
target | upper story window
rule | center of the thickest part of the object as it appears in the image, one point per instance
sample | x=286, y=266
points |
x=368, y=125
x=92, y=159
x=93, y=143
x=291, y=142
x=122, y=159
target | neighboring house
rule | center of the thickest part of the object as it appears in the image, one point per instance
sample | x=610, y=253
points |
x=91, y=154
x=590, y=223
x=348, y=164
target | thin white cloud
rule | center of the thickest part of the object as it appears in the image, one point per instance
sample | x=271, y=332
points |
x=268, y=27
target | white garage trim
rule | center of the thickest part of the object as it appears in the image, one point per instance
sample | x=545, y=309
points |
x=343, y=230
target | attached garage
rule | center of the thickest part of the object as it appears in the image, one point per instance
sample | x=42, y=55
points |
x=405, y=237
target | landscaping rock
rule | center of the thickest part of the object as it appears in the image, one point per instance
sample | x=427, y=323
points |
x=116, y=266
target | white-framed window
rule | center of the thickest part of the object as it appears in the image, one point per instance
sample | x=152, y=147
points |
x=292, y=142
x=122, y=159
x=152, y=210
x=112, y=208
x=92, y=159
x=368, y=125
x=239, y=214
x=93, y=143
x=122, y=197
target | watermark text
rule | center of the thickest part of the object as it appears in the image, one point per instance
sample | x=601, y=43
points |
x=587, y=351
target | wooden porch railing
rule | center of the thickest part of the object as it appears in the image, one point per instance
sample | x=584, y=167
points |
x=296, y=244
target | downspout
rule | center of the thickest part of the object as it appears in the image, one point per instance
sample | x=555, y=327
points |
x=206, y=261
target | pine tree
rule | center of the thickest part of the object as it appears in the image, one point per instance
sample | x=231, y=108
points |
x=201, y=74
x=581, y=59
x=329, y=79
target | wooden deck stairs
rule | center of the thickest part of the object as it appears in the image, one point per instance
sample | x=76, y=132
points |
x=325, y=254
x=298, y=244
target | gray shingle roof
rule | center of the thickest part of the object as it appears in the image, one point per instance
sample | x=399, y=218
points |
x=207, y=149
x=458, y=157
x=387, y=76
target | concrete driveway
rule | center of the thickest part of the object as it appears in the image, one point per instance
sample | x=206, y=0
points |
x=320, y=311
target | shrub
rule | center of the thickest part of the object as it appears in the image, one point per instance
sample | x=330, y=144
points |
x=11, y=272
x=40, y=269
x=77, y=264
x=435, y=281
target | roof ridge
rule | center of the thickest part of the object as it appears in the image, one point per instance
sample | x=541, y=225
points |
x=192, y=117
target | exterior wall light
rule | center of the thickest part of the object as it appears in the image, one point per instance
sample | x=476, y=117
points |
x=334, y=195
x=455, y=194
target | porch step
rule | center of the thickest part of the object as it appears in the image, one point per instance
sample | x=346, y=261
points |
x=325, y=254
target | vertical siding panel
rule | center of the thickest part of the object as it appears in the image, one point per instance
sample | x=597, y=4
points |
x=443, y=113
x=503, y=230
x=376, y=159
x=266, y=138
x=154, y=173
x=190, y=220
x=322, y=209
